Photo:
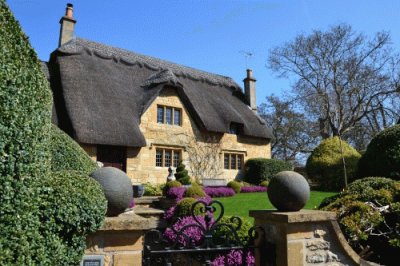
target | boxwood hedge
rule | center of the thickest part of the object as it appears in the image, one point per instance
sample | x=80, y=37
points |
x=66, y=154
x=257, y=170
x=382, y=157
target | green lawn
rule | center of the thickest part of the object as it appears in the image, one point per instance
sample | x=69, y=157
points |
x=241, y=203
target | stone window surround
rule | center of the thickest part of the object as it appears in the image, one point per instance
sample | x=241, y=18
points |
x=236, y=164
x=173, y=160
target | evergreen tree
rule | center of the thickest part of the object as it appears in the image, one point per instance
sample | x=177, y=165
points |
x=182, y=175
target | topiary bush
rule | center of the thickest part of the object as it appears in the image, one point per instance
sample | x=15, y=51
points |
x=153, y=190
x=171, y=184
x=368, y=214
x=264, y=183
x=382, y=157
x=231, y=222
x=325, y=164
x=25, y=113
x=257, y=170
x=182, y=175
x=195, y=191
x=66, y=154
x=75, y=206
x=184, y=207
x=235, y=185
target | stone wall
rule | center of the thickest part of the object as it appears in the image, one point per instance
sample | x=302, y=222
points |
x=141, y=161
x=120, y=240
x=310, y=238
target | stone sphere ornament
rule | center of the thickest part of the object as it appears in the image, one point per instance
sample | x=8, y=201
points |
x=117, y=188
x=288, y=191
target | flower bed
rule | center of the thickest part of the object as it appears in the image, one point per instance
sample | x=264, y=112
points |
x=251, y=189
x=215, y=192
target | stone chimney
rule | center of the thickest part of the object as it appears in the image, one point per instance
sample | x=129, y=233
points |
x=67, y=25
x=250, y=90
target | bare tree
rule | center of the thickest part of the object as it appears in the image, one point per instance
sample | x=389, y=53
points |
x=295, y=135
x=343, y=78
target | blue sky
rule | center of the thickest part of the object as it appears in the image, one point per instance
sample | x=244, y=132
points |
x=211, y=35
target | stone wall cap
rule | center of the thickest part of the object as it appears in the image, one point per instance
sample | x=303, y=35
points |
x=128, y=221
x=301, y=216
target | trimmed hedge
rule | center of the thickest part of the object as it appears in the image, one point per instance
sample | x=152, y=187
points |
x=74, y=205
x=66, y=154
x=25, y=116
x=363, y=223
x=325, y=164
x=235, y=185
x=195, y=191
x=382, y=157
x=184, y=207
x=257, y=170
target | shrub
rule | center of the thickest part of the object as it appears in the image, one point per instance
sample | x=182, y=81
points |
x=382, y=157
x=252, y=189
x=260, y=169
x=25, y=117
x=76, y=206
x=368, y=214
x=235, y=185
x=325, y=164
x=171, y=184
x=182, y=175
x=224, y=231
x=184, y=207
x=152, y=190
x=195, y=191
x=216, y=192
x=66, y=154
x=264, y=183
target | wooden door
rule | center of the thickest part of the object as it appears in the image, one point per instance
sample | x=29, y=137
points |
x=114, y=156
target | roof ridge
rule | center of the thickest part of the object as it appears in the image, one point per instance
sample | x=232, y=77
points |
x=131, y=58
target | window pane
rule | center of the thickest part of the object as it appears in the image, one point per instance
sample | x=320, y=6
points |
x=168, y=115
x=177, y=117
x=167, y=158
x=233, y=161
x=176, y=158
x=226, y=161
x=160, y=114
x=239, y=161
x=159, y=158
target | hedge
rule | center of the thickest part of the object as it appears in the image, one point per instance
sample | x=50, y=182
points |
x=325, y=164
x=25, y=113
x=257, y=170
x=66, y=154
x=382, y=157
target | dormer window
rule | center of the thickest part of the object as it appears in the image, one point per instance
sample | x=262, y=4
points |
x=169, y=115
x=236, y=128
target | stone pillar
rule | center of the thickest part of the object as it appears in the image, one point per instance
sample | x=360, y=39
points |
x=304, y=237
x=120, y=240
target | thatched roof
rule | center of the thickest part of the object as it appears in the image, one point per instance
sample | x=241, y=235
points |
x=100, y=93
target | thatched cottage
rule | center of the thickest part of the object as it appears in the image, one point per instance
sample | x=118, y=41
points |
x=140, y=113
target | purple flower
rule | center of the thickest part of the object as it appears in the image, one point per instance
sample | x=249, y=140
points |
x=216, y=192
x=234, y=258
x=253, y=189
x=194, y=233
x=169, y=214
x=176, y=193
x=132, y=204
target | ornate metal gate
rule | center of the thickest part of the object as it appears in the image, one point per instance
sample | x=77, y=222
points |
x=202, y=240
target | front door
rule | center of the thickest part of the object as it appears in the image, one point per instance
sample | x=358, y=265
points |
x=114, y=156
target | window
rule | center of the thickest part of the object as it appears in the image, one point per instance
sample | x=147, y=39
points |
x=233, y=161
x=235, y=128
x=169, y=115
x=167, y=157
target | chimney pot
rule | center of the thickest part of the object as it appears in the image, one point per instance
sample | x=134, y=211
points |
x=249, y=73
x=69, y=10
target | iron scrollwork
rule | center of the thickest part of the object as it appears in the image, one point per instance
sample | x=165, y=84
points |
x=202, y=240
